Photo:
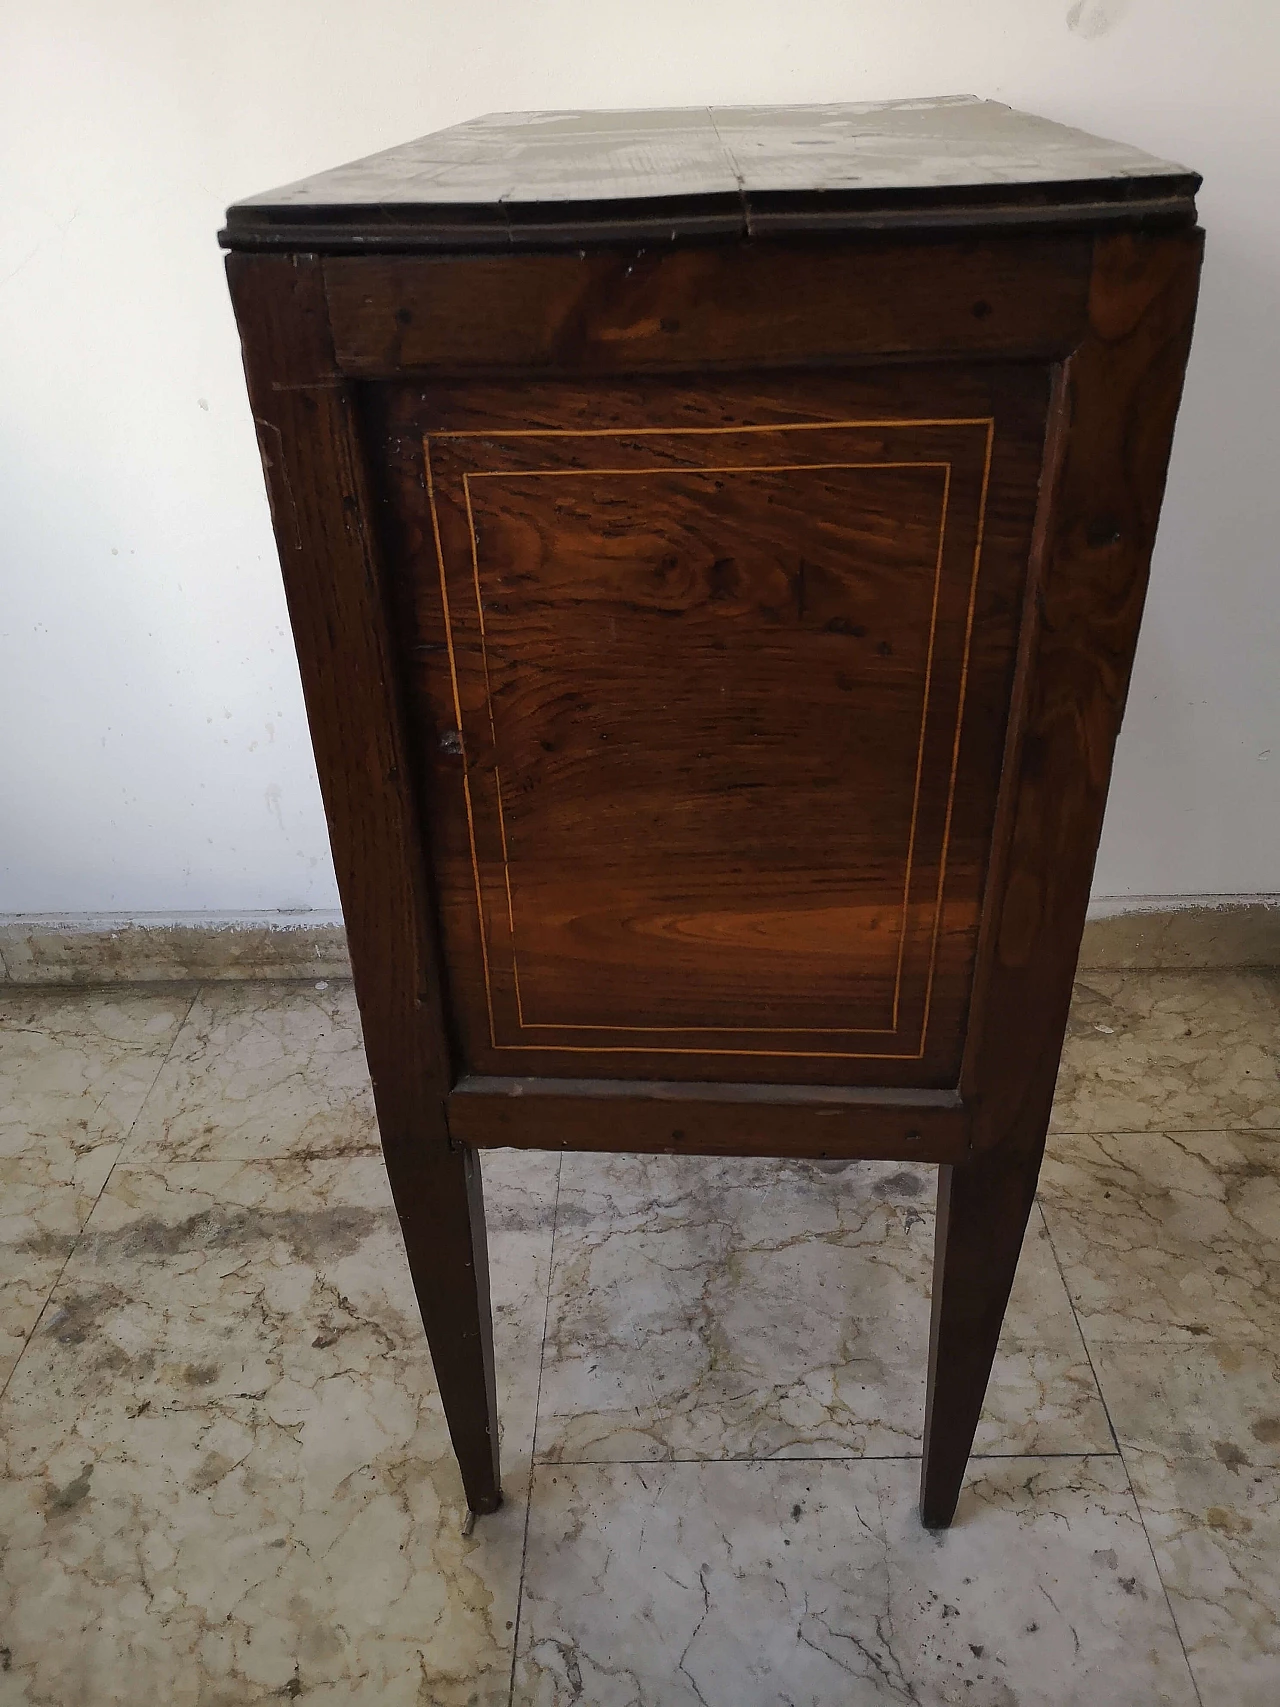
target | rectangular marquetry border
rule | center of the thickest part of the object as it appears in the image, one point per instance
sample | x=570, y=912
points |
x=986, y=422
x=730, y=468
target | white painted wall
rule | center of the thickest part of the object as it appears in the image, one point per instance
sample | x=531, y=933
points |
x=155, y=755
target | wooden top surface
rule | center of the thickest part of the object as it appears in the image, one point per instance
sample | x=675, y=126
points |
x=563, y=178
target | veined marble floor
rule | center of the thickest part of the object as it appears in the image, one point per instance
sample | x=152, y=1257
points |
x=224, y=1473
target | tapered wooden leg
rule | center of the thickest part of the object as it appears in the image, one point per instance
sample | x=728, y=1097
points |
x=440, y=1204
x=982, y=1215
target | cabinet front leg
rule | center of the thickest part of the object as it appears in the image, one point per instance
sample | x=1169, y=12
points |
x=983, y=1208
x=440, y=1203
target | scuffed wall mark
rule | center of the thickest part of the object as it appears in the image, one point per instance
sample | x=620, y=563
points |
x=273, y=805
x=1093, y=18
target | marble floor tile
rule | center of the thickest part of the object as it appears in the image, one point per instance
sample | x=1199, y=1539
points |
x=74, y=1070
x=225, y=1475
x=1199, y=1426
x=732, y=1585
x=1209, y=1399
x=710, y=1308
x=1170, y=1051
x=261, y=1071
x=520, y=1188
x=1168, y=1235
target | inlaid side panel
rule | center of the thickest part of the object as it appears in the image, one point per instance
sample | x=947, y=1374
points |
x=711, y=690
x=674, y=684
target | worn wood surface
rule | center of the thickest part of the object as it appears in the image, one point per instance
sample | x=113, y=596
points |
x=522, y=179
x=1107, y=455
x=314, y=467
x=712, y=684
x=763, y=305
x=675, y=1118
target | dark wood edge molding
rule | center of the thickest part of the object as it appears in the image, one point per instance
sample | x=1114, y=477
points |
x=709, y=1119
x=1131, y=203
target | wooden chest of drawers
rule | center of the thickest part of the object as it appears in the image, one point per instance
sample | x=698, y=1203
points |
x=715, y=543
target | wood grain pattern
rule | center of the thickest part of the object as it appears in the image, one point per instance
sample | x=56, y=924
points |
x=1109, y=444
x=644, y=768
x=632, y=310
x=720, y=679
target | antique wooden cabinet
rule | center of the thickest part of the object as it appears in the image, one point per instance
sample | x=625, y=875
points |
x=715, y=542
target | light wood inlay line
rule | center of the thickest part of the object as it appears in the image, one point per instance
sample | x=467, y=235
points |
x=497, y=782
x=955, y=745
x=457, y=711
x=924, y=724
x=702, y=432
x=697, y=473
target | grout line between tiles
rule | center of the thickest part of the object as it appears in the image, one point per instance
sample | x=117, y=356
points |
x=1133, y=1492
x=533, y=1444
x=124, y=1142
x=808, y=1458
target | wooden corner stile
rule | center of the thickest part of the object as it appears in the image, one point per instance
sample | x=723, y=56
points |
x=1107, y=452
x=316, y=481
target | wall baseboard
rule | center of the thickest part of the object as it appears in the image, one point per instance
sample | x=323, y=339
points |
x=150, y=948
x=1181, y=933
x=1170, y=933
